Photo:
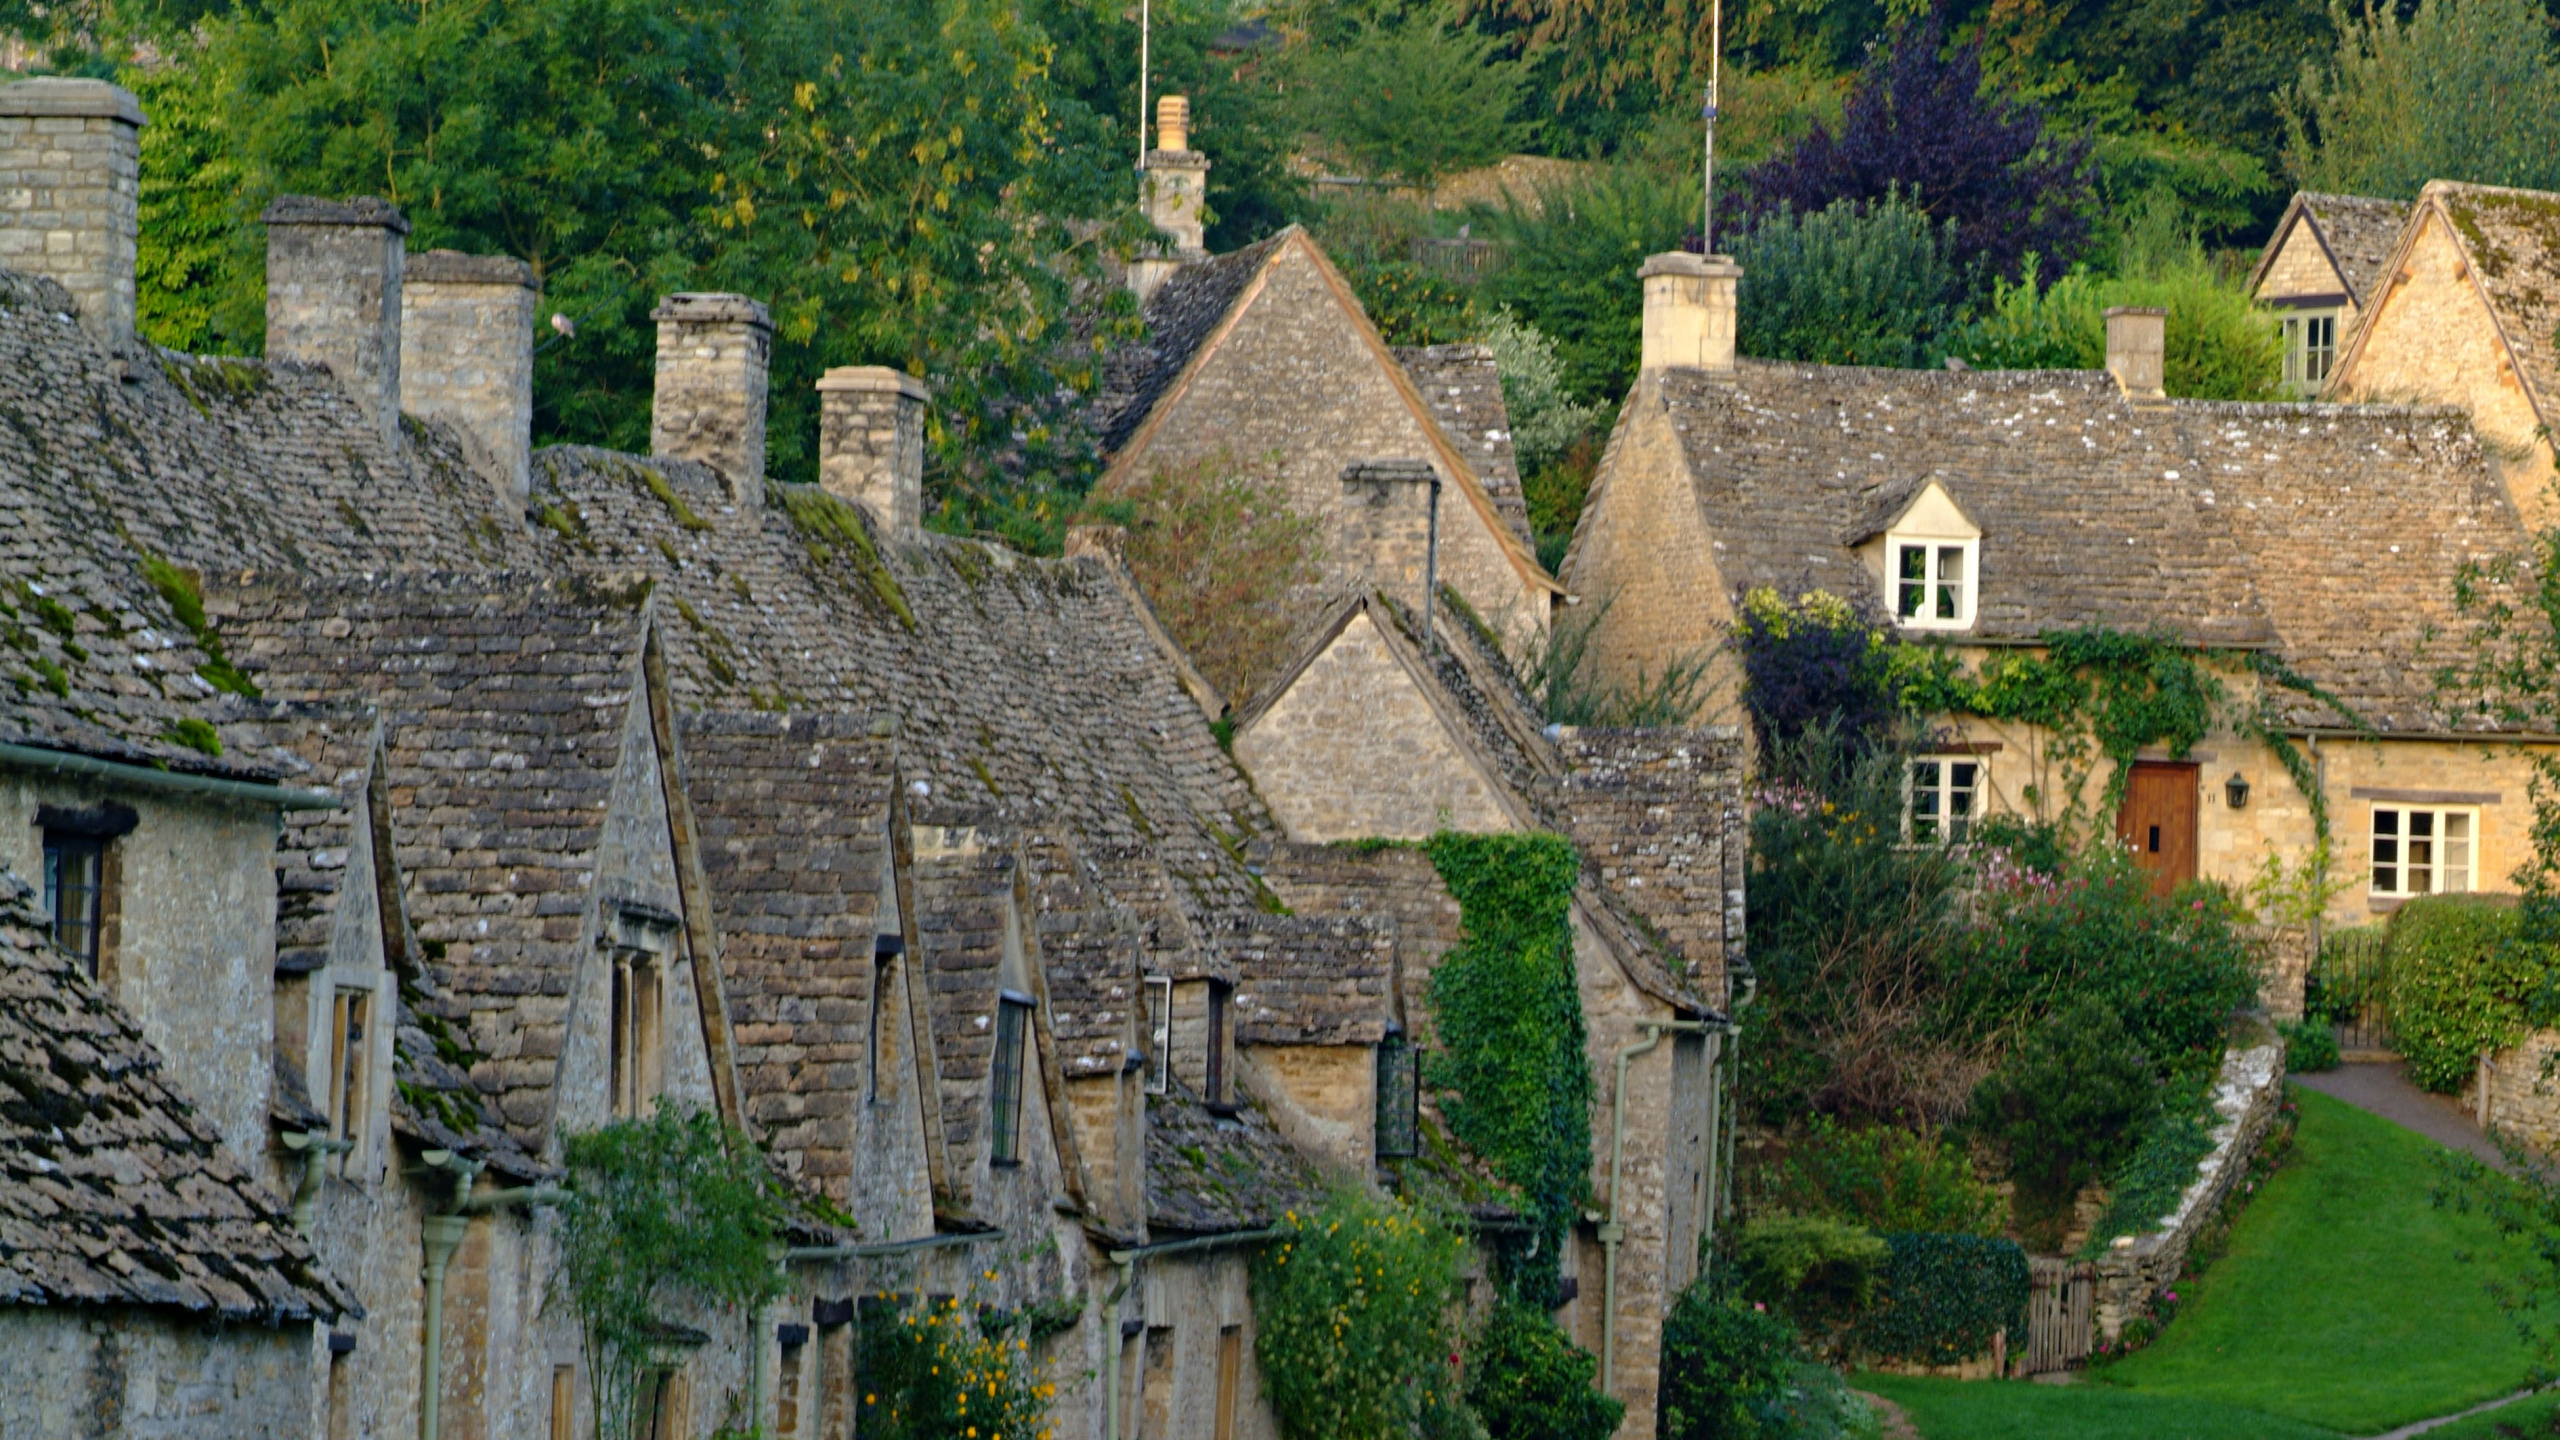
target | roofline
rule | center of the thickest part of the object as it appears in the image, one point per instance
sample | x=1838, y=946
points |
x=2464, y=737
x=2294, y=211
x=168, y=782
x=2430, y=201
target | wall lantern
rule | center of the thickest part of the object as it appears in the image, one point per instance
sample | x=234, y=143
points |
x=2236, y=791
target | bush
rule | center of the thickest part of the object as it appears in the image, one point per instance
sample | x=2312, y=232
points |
x=2459, y=982
x=1943, y=1297
x=2150, y=1182
x=1814, y=1403
x=931, y=1371
x=1722, y=1357
x=1352, y=1308
x=2310, y=1045
x=1820, y=662
x=1526, y=1381
x=1850, y=284
x=2221, y=346
x=2066, y=1106
x=1572, y=265
x=1886, y=1178
x=1820, y=1272
x=1545, y=421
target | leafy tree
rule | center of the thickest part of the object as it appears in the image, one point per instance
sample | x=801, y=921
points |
x=2460, y=90
x=1544, y=418
x=1416, y=101
x=1923, y=125
x=2221, y=345
x=676, y=1209
x=1572, y=270
x=1722, y=1357
x=1849, y=284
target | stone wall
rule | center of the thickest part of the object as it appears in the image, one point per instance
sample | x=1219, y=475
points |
x=1660, y=813
x=75, y=1374
x=2245, y=1099
x=333, y=297
x=466, y=357
x=871, y=443
x=2524, y=1090
x=1642, y=549
x=715, y=353
x=70, y=161
x=2303, y=267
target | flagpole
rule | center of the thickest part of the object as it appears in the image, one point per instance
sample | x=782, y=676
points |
x=1146, y=35
x=1707, y=190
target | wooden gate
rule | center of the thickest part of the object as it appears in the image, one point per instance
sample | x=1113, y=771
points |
x=2061, y=1313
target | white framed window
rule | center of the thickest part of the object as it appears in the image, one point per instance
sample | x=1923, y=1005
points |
x=2424, y=849
x=1946, y=795
x=1932, y=581
x=1159, y=1034
x=2310, y=349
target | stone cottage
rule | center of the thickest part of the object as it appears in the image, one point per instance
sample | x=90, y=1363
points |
x=1986, y=510
x=2464, y=313
x=2319, y=271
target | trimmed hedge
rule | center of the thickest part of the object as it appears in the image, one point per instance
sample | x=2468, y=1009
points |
x=2459, y=982
x=1942, y=1297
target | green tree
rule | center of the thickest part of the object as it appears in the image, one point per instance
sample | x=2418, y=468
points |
x=1850, y=284
x=1572, y=270
x=1414, y=101
x=1544, y=418
x=2460, y=90
x=1526, y=1381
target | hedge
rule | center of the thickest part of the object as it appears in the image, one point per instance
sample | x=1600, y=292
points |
x=1942, y=1297
x=2459, y=981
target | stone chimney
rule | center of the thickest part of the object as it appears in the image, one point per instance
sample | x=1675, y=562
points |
x=466, y=358
x=1176, y=190
x=333, y=296
x=713, y=355
x=1391, y=515
x=70, y=189
x=871, y=444
x=2138, y=350
x=1689, y=311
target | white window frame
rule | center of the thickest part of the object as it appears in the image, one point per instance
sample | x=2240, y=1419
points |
x=2396, y=837
x=1159, y=1034
x=1952, y=829
x=1933, y=586
x=2299, y=329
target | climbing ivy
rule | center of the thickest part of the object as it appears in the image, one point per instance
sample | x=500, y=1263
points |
x=1510, y=1069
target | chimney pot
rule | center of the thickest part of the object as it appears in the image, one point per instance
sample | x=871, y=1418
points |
x=1177, y=198
x=71, y=166
x=2138, y=350
x=466, y=358
x=1388, y=519
x=1173, y=122
x=871, y=444
x=333, y=296
x=714, y=353
x=1689, y=311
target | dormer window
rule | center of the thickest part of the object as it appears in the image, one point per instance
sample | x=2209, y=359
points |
x=1932, y=582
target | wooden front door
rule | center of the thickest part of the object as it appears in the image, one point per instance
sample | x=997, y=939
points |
x=2159, y=822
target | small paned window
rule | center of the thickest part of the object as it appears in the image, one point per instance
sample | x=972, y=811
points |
x=2310, y=349
x=75, y=893
x=2422, y=850
x=350, y=1072
x=1215, y=1091
x=638, y=1000
x=1933, y=584
x=1013, y=1033
x=1399, y=1098
x=1159, y=1034
x=1946, y=793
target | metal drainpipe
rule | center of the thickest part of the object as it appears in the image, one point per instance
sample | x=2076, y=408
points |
x=1612, y=1231
x=315, y=1148
x=1732, y=1066
x=441, y=1236
x=1111, y=1337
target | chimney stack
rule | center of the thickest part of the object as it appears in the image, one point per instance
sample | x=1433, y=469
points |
x=1176, y=194
x=466, y=358
x=2138, y=350
x=871, y=444
x=713, y=355
x=333, y=296
x=70, y=192
x=1689, y=311
x=1391, y=526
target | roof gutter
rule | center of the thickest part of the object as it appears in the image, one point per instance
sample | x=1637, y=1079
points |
x=2458, y=737
x=167, y=782
x=890, y=1247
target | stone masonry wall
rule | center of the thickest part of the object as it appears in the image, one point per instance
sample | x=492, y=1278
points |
x=2524, y=1090
x=77, y=1374
x=2245, y=1099
x=1643, y=550
x=466, y=357
x=333, y=297
x=70, y=185
x=714, y=354
x=2302, y=268
x=1660, y=813
x=871, y=443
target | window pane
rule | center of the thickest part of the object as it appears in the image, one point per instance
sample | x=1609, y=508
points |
x=2422, y=824
x=1950, y=582
x=1913, y=591
x=2386, y=822
x=2454, y=870
x=1004, y=1144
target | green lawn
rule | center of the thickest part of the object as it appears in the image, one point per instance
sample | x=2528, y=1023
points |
x=2339, y=1308
x=2537, y=1417
x=2017, y=1410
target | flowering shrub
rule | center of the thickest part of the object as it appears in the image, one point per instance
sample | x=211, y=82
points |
x=933, y=1371
x=1352, y=1308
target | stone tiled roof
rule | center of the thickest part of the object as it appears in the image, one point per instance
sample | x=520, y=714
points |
x=323, y=745
x=1463, y=387
x=1208, y=1174
x=1180, y=316
x=504, y=699
x=1090, y=947
x=960, y=927
x=2513, y=240
x=793, y=814
x=2359, y=232
x=112, y=1190
x=1312, y=979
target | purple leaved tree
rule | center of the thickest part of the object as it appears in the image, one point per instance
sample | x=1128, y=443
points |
x=1921, y=123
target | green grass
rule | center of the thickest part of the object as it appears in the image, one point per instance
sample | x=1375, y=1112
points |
x=2017, y=1410
x=2537, y=1417
x=2340, y=1301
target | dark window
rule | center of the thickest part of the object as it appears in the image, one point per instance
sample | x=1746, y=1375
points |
x=1013, y=1029
x=75, y=891
x=1216, y=1087
x=1399, y=1098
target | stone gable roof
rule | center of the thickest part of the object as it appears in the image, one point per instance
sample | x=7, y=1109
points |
x=793, y=814
x=1210, y=1174
x=504, y=700
x=1312, y=979
x=2512, y=239
x=2358, y=232
x=322, y=745
x=2085, y=503
x=1463, y=387
x=1185, y=310
x=112, y=1190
